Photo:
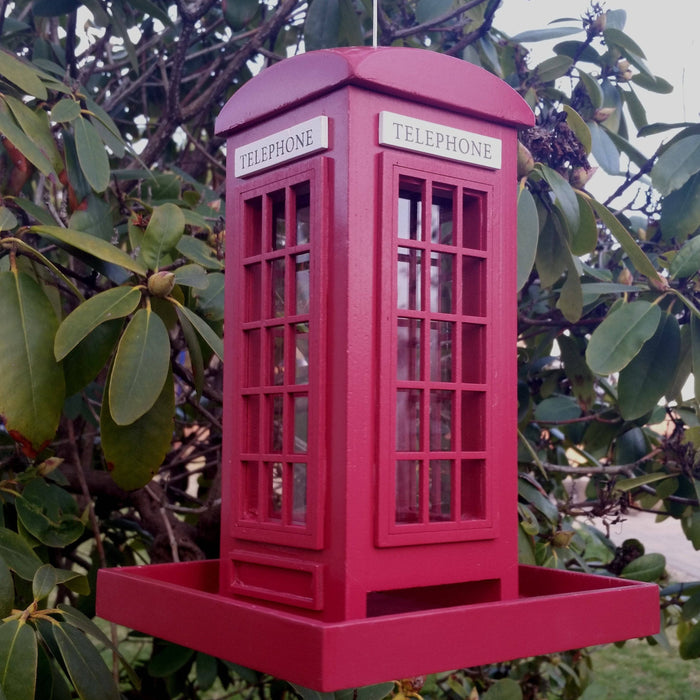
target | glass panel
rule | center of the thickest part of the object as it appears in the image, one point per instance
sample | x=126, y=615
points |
x=408, y=491
x=473, y=287
x=473, y=357
x=276, y=403
x=409, y=214
x=440, y=490
x=408, y=419
x=253, y=226
x=301, y=423
x=299, y=493
x=277, y=281
x=279, y=226
x=472, y=495
x=441, y=282
x=473, y=229
x=252, y=358
x=441, y=218
x=301, y=267
x=275, y=487
x=473, y=421
x=408, y=279
x=301, y=334
x=408, y=349
x=303, y=214
x=441, y=420
x=251, y=509
x=253, y=292
x=441, y=347
x=251, y=424
x=276, y=339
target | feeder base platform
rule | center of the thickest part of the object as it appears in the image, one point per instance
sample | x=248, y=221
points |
x=555, y=611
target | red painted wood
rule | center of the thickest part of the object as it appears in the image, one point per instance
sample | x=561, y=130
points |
x=369, y=520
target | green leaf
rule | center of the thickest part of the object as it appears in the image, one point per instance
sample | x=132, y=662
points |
x=31, y=381
x=90, y=244
x=23, y=75
x=687, y=261
x=564, y=197
x=204, y=330
x=106, y=128
x=504, y=689
x=134, y=452
x=22, y=142
x=7, y=590
x=199, y=252
x=556, y=409
x=570, y=301
x=593, y=89
x=18, y=555
x=528, y=234
x=680, y=211
x=65, y=110
x=164, y=230
x=584, y=240
x=628, y=244
x=140, y=367
x=579, y=50
x=690, y=644
x=604, y=150
x=427, y=10
x=618, y=38
x=618, y=339
x=532, y=495
x=239, y=13
x=695, y=352
x=648, y=567
x=552, y=68
x=105, y=306
x=552, y=255
x=677, y=164
x=168, y=660
x=54, y=8
x=92, y=155
x=86, y=669
x=44, y=581
x=545, y=34
x=637, y=481
x=210, y=300
x=192, y=275
x=309, y=694
x=577, y=371
x=18, y=660
x=649, y=375
x=7, y=219
x=579, y=127
x=322, y=24
x=49, y=513
x=653, y=84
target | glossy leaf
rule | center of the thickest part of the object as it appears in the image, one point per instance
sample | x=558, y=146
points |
x=18, y=660
x=65, y=110
x=32, y=387
x=653, y=84
x=90, y=244
x=577, y=371
x=695, y=352
x=648, y=567
x=322, y=24
x=22, y=142
x=192, y=275
x=677, y=164
x=689, y=647
x=686, y=262
x=556, y=409
x=618, y=339
x=106, y=306
x=86, y=669
x=49, y=513
x=7, y=219
x=585, y=238
x=106, y=127
x=199, y=252
x=7, y=590
x=570, y=301
x=564, y=197
x=210, y=299
x=134, y=452
x=140, y=367
x=164, y=230
x=579, y=127
x=21, y=74
x=680, y=211
x=204, y=330
x=92, y=155
x=604, y=150
x=595, y=93
x=552, y=68
x=44, y=581
x=310, y=694
x=552, y=257
x=168, y=660
x=239, y=13
x=18, y=555
x=54, y=8
x=504, y=689
x=545, y=34
x=528, y=234
x=649, y=375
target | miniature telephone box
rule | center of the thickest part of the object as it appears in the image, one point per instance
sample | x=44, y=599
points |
x=369, y=520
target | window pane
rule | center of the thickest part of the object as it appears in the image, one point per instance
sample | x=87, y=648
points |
x=253, y=292
x=473, y=421
x=303, y=214
x=276, y=340
x=472, y=495
x=441, y=218
x=299, y=493
x=408, y=349
x=250, y=439
x=251, y=509
x=441, y=282
x=276, y=404
x=275, y=487
x=279, y=227
x=440, y=490
x=473, y=287
x=441, y=347
x=409, y=279
x=277, y=282
x=301, y=334
x=301, y=283
x=408, y=420
x=441, y=420
x=253, y=226
x=253, y=351
x=301, y=423
x=473, y=356
x=408, y=491
x=473, y=234
x=409, y=214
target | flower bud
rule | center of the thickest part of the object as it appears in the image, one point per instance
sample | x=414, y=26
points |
x=562, y=538
x=160, y=284
x=526, y=162
x=580, y=176
x=602, y=114
x=625, y=276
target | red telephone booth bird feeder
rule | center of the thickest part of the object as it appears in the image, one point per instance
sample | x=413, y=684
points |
x=369, y=521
